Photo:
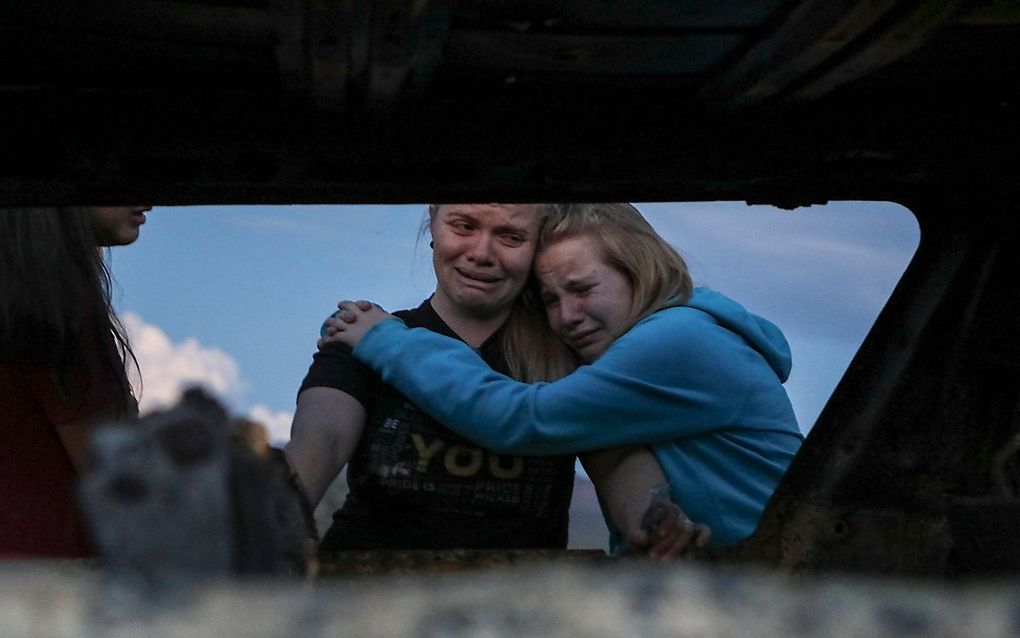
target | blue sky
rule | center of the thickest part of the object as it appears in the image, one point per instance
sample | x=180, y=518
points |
x=233, y=297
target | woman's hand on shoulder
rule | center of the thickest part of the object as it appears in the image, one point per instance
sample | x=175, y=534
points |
x=350, y=323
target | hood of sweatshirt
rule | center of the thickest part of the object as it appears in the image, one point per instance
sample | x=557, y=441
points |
x=763, y=335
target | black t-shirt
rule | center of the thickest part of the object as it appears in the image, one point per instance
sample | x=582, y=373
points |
x=414, y=484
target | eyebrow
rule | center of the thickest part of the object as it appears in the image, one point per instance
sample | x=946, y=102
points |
x=569, y=285
x=520, y=230
x=584, y=280
x=458, y=214
x=503, y=228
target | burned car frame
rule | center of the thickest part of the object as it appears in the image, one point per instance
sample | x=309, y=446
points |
x=910, y=468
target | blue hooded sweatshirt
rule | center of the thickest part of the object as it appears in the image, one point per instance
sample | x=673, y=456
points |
x=700, y=384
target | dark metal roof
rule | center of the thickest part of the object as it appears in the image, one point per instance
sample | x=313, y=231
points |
x=787, y=102
x=293, y=100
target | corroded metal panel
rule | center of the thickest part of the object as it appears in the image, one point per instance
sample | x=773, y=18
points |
x=547, y=602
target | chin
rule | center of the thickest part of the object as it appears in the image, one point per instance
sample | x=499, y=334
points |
x=482, y=303
x=126, y=237
x=592, y=355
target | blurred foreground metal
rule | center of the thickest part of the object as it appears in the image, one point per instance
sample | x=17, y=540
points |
x=550, y=601
x=189, y=491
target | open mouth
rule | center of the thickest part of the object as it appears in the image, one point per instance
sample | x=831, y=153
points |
x=483, y=279
x=584, y=339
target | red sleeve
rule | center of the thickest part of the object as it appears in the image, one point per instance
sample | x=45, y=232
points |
x=100, y=390
x=60, y=409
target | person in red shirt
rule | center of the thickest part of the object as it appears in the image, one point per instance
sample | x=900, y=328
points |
x=62, y=367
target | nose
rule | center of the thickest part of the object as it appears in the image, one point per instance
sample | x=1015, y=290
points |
x=480, y=250
x=569, y=314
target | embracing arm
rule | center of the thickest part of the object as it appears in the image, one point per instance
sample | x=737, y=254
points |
x=625, y=479
x=638, y=392
x=327, y=426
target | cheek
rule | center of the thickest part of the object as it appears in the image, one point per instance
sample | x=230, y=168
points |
x=620, y=308
x=101, y=220
x=441, y=249
x=518, y=263
x=552, y=315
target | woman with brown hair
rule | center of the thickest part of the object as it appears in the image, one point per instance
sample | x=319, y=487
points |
x=62, y=366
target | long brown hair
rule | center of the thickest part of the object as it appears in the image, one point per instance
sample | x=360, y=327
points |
x=55, y=299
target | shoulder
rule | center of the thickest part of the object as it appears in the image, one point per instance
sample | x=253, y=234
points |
x=411, y=317
x=674, y=322
x=36, y=386
x=671, y=340
x=424, y=316
x=334, y=366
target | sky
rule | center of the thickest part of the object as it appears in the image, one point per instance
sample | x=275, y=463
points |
x=232, y=297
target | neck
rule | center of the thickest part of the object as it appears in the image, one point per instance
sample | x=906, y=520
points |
x=474, y=329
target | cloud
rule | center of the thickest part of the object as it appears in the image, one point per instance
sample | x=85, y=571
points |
x=168, y=368
x=276, y=422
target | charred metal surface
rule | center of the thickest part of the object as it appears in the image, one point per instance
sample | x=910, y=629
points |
x=900, y=33
x=818, y=46
x=186, y=492
x=346, y=564
x=910, y=469
x=411, y=100
x=540, y=601
x=903, y=472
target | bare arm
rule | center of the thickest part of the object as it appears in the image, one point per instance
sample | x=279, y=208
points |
x=624, y=478
x=326, y=429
